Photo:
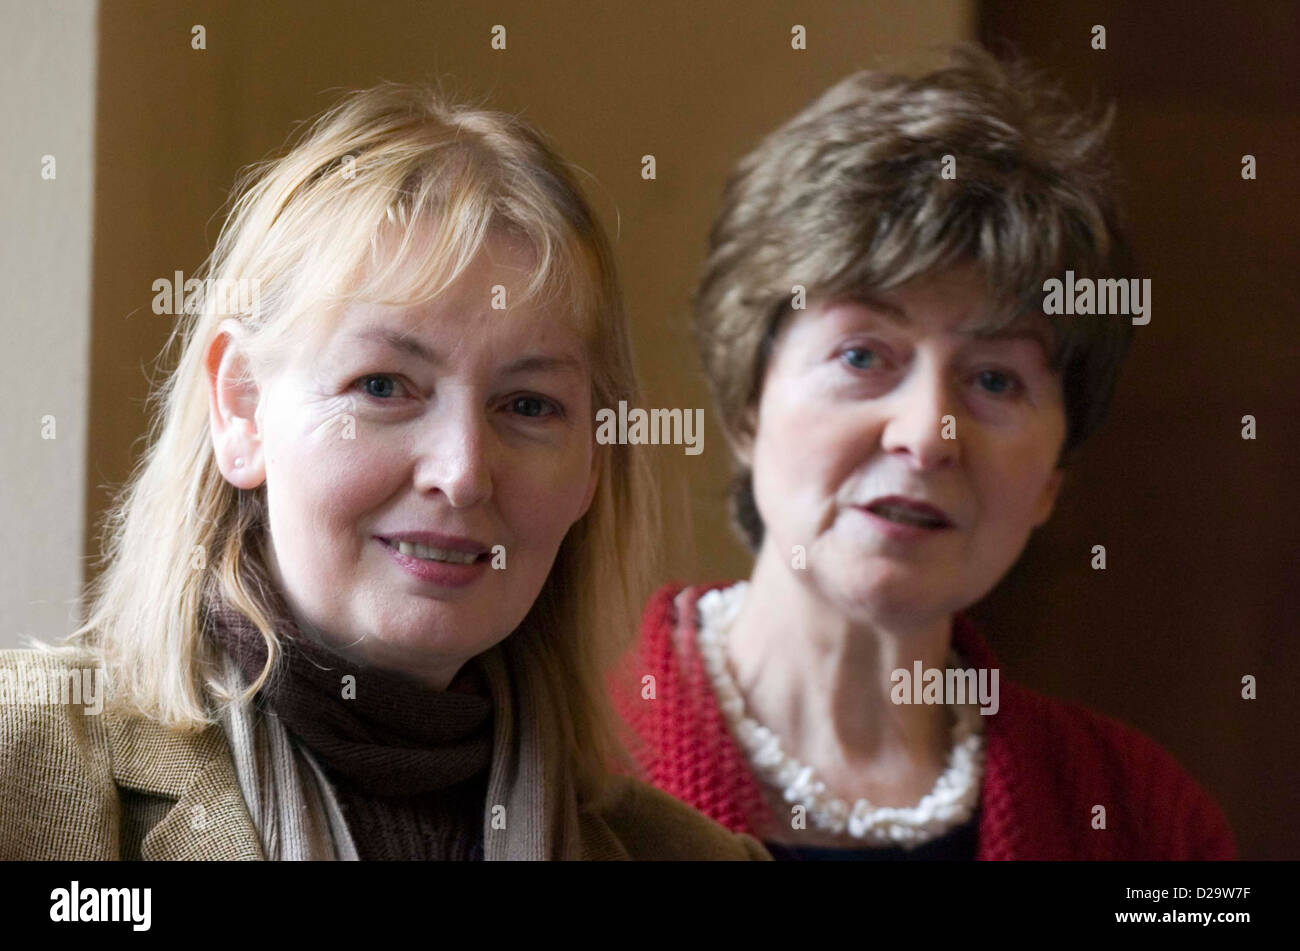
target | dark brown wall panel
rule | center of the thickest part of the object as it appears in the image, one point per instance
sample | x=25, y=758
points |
x=1201, y=527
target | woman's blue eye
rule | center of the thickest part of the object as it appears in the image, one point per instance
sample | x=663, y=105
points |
x=532, y=406
x=998, y=383
x=384, y=391
x=860, y=358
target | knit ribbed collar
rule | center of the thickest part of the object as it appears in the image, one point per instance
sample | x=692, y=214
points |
x=387, y=733
x=1015, y=803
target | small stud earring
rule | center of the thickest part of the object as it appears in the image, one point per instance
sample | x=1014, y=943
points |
x=239, y=463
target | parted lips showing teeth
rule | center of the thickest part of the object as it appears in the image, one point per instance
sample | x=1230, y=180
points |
x=428, y=553
x=909, y=512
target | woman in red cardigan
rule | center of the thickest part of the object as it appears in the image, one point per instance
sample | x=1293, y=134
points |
x=874, y=318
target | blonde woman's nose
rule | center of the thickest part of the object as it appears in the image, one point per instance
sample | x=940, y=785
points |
x=455, y=456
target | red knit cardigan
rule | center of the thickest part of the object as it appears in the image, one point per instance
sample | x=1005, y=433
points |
x=1047, y=763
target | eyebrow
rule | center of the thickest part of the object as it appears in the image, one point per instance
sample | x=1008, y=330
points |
x=896, y=314
x=405, y=343
x=893, y=312
x=1043, y=338
x=398, y=341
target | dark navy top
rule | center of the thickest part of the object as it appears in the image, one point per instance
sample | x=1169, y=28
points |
x=959, y=844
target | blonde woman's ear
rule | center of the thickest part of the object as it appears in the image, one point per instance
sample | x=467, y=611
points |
x=233, y=399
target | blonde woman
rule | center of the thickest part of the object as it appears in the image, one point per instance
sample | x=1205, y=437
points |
x=360, y=593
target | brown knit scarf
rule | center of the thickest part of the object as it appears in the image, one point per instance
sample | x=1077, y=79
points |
x=409, y=763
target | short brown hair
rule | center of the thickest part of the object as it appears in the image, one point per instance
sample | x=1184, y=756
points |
x=847, y=197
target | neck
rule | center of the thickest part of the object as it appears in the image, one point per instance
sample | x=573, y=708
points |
x=434, y=673
x=820, y=679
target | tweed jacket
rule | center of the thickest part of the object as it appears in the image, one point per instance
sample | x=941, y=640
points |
x=107, y=786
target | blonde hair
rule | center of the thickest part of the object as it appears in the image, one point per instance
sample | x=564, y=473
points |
x=372, y=166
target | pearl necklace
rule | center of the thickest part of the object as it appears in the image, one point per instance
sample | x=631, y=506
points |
x=950, y=804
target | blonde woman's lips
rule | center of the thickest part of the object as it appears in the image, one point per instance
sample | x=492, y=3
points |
x=442, y=560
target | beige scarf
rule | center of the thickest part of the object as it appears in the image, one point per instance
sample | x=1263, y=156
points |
x=530, y=812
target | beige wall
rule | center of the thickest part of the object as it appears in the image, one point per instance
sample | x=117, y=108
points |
x=694, y=84
x=47, y=89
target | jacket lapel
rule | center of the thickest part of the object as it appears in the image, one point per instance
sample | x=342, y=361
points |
x=599, y=843
x=209, y=820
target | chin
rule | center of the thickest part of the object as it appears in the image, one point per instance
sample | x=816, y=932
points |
x=882, y=597
x=428, y=642
x=425, y=623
